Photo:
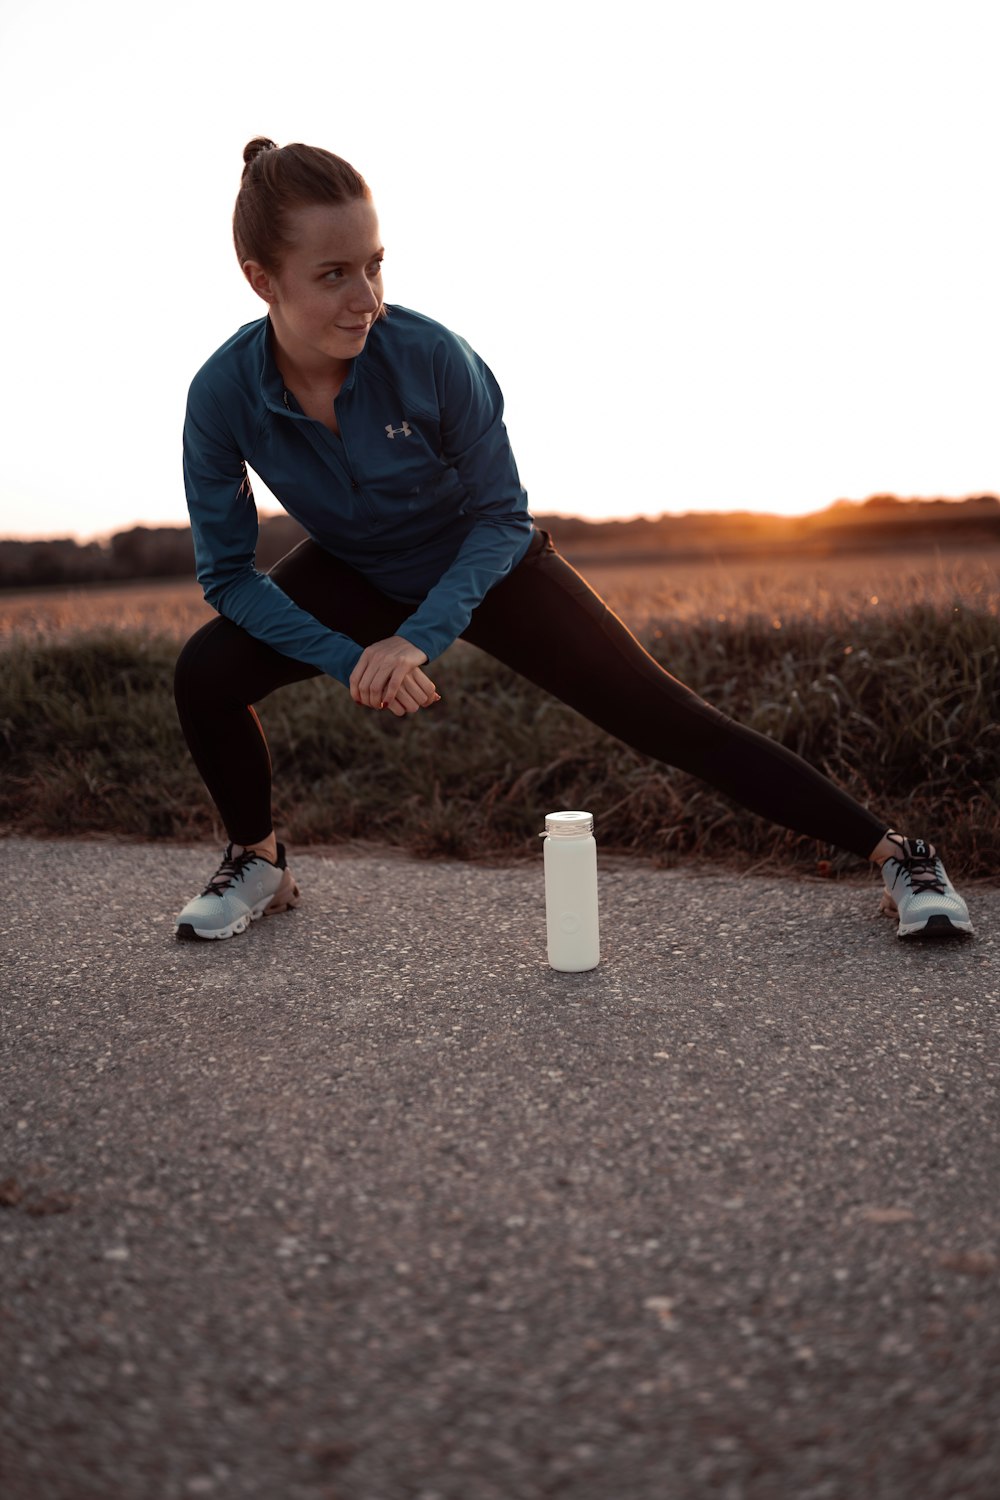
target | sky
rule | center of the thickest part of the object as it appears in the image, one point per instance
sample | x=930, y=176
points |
x=718, y=255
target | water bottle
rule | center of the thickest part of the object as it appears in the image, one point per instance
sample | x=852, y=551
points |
x=571, y=922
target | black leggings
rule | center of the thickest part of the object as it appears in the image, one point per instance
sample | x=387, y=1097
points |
x=545, y=622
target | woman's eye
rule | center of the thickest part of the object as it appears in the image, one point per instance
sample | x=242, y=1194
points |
x=337, y=274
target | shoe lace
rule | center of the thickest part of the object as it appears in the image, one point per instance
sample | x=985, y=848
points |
x=923, y=872
x=229, y=871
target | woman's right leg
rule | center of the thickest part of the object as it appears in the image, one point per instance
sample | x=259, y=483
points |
x=223, y=671
x=220, y=674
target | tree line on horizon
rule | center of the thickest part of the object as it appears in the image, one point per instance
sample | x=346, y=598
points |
x=881, y=521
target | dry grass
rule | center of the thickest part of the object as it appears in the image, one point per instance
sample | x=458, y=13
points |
x=804, y=588
x=885, y=677
x=168, y=607
x=675, y=591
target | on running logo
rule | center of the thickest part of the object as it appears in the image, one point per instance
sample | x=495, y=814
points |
x=391, y=431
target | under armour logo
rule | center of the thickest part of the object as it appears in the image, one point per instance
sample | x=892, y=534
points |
x=391, y=431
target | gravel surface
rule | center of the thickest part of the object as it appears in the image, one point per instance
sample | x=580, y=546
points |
x=370, y=1203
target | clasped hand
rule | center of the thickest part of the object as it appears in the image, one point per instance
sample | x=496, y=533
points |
x=388, y=675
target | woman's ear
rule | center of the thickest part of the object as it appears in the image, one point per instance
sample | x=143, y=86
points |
x=261, y=280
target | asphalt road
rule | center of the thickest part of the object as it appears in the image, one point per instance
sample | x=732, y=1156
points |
x=369, y=1203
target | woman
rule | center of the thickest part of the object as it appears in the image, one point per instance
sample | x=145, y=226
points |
x=381, y=432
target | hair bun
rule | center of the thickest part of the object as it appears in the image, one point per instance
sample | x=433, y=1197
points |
x=256, y=147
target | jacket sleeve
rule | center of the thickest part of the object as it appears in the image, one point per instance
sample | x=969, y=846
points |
x=224, y=530
x=475, y=443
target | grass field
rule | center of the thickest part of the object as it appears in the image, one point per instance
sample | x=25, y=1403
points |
x=683, y=591
x=888, y=680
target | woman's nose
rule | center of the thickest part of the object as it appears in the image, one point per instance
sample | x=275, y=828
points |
x=365, y=298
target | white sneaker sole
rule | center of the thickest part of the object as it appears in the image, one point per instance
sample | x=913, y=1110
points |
x=284, y=899
x=934, y=925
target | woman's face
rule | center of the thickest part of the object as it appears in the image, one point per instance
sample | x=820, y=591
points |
x=328, y=291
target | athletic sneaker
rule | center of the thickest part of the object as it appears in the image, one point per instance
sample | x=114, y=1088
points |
x=918, y=891
x=244, y=887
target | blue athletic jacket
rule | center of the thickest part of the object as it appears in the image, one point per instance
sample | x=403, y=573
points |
x=419, y=492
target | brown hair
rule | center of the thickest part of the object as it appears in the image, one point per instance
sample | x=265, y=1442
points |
x=277, y=179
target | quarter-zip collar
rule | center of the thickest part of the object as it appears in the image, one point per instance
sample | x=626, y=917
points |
x=272, y=386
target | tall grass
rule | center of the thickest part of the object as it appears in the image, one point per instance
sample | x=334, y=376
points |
x=897, y=704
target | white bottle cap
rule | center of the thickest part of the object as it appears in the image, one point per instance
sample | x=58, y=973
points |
x=569, y=825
